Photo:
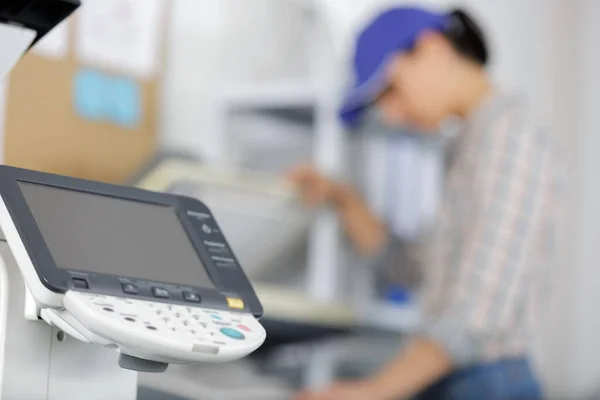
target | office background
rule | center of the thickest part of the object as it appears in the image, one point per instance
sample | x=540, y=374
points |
x=255, y=84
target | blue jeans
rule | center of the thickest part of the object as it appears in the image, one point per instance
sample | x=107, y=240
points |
x=511, y=379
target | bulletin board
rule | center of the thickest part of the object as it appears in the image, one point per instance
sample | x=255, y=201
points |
x=84, y=104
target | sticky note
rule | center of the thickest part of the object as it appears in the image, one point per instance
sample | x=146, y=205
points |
x=89, y=94
x=124, y=102
x=103, y=97
x=121, y=35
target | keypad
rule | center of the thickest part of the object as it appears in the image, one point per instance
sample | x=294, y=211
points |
x=189, y=323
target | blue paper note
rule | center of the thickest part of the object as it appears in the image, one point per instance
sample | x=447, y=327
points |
x=99, y=96
x=125, y=102
x=89, y=94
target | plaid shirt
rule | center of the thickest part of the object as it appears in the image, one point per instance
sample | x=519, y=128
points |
x=491, y=245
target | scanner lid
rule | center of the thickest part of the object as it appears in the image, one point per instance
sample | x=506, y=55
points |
x=24, y=22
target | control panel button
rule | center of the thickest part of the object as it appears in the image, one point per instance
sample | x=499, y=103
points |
x=224, y=262
x=206, y=229
x=244, y=328
x=214, y=244
x=192, y=297
x=219, y=251
x=216, y=317
x=233, y=333
x=199, y=215
x=223, y=265
x=160, y=292
x=233, y=302
x=130, y=288
x=80, y=283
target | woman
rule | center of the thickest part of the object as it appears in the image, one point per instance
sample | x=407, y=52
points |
x=490, y=248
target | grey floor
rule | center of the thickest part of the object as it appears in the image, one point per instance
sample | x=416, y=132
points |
x=356, y=356
x=151, y=394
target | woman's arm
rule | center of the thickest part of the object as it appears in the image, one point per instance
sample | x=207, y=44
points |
x=366, y=231
x=422, y=364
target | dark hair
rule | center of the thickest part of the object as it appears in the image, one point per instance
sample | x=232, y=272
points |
x=467, y=37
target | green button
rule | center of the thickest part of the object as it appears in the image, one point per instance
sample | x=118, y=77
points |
x=233, y=333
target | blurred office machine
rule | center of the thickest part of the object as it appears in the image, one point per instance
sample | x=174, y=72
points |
x=83, y=102
x=257, y=211
x=266, y=225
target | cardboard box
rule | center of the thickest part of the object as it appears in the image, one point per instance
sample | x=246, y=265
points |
x=44, y=131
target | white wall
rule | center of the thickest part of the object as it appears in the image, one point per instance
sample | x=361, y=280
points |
x=576, y=329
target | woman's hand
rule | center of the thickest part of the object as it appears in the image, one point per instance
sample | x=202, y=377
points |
x=357, y=390
x=362, y=226
x=315, y=189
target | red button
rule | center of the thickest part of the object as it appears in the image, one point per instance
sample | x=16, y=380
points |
x=244, y=328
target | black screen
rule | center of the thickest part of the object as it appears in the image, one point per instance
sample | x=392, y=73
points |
x=96, y=233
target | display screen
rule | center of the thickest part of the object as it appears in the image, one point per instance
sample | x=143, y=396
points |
x=96, y=233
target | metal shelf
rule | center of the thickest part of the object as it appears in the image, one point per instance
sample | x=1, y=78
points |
x=294, y=101
x=270, y=96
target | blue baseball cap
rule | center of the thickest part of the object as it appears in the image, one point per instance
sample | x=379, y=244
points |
x=395, y=30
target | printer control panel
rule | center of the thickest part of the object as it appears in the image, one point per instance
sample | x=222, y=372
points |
x=213, y=240
x=162, y=331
